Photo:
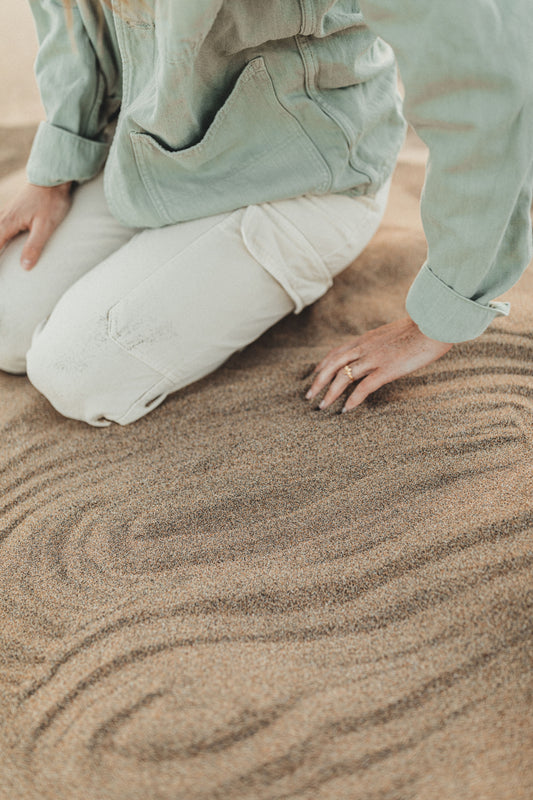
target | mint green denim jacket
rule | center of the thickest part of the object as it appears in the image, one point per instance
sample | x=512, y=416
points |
x=227, y=103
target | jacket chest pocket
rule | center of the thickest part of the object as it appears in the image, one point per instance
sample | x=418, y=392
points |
x=254, y=151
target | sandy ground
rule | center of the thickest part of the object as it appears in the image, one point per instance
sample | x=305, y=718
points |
x=241, y=598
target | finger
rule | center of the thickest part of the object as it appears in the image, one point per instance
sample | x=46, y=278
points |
x=332, y=353
x=330, y=368
x=40, y=232
x=342, y=381
x=372, y=382
x=341, y=350
x=9, y=228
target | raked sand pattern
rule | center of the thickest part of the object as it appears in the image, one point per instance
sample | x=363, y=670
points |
x=242, y=598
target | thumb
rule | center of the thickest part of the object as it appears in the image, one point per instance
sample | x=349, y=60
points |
x=40, y=232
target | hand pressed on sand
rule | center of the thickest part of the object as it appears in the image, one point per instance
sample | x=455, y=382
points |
x=379, y=356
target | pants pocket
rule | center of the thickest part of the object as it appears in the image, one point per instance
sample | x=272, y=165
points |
x=306, y=241
x=286, y=254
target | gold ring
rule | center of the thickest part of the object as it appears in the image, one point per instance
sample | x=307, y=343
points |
x=348, y=371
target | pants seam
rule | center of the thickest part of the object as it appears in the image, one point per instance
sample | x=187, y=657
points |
x=163, y=382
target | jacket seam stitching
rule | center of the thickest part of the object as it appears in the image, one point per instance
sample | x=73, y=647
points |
x=308, y=18
x=98, y=103
x=310, y=64
x=148, y=184
x=326, y=186
x=310, y=146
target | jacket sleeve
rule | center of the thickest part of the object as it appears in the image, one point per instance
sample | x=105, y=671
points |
x=467, y=69
x=74, y=85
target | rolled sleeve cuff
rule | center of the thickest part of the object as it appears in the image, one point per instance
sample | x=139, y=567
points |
x=58, y=156
x=445, y=315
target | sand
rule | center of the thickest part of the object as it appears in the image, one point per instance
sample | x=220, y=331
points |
x=240, y=597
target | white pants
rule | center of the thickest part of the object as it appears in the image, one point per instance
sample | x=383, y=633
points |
x=112, y=319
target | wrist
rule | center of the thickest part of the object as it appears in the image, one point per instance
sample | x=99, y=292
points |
x=445, y=346
x=59, y=188
x=64, y=188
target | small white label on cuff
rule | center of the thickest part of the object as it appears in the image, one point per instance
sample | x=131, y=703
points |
x=500, y=306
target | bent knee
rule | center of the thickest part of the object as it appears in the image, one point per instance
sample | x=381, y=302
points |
x=62, y=366
x=85, y=376
x=18, y=312
x=15, y=337
x=12, y=359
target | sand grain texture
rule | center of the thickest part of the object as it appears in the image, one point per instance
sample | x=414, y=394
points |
x=241, y=598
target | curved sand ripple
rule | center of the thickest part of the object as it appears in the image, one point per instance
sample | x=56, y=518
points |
x=240, y=597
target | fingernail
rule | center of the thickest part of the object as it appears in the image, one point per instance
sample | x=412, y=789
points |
x=26, y=264
x=322, y=404
x=309, y=395
x=344, y=410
